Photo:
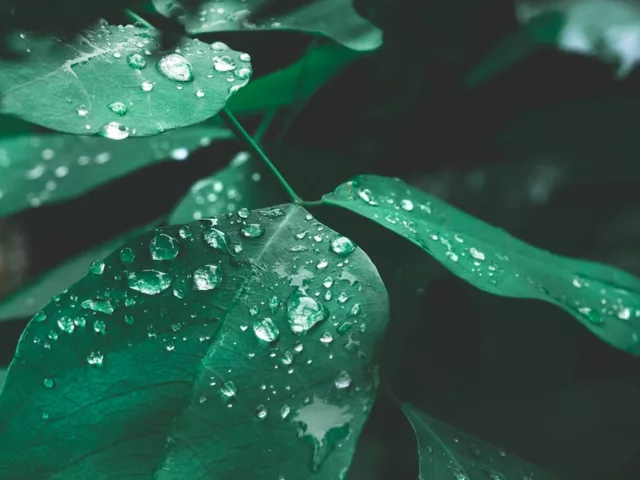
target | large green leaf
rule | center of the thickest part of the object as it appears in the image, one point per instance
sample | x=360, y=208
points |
x=116, y=82
x=444, y=452
x=604, y=299
x=241, y=347
x=245, y=183
x=43, y=168
x=37, y=293
x=297, y=82
x=337, y=19
x=609, y=29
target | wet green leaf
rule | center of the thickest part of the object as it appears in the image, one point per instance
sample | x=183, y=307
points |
x=445, y=452
x=337, y=19
x=608, y=29
x=37, y=169
x=115, y=82
x=202, y=350
x=604, y=299
x=297, y=82
x=245, y=183
x=36, y=294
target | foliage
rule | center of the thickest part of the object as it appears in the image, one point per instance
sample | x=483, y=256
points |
x=207, y=303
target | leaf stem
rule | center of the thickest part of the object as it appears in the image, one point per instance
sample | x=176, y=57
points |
x=256, y=151
x=133, y=16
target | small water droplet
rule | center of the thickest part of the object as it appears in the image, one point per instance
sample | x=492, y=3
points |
x=477, y=254
x=136, y=61
x=298, y=347
x=223, y=63
x=342, y=381
x=118, y=108
x=322, y=264
x=216, y=239
x=48, y=383
x=243, y=213
x=98, y=305
x=254, y=310
x=66, y=324
x=326, y=338
x=185, y=232
x=95, y=358
x=99, y=327
x=343, y=246
x=342, y=297
x=208, y=277
x=243, y=73
x=228, y=389
x=219, y=47
x=164, y=247
x=304, y=312
x=82, y=111
x=146, y=86
x=129, y=320
x=40, y=316
x=328, y=282
x=285, y=410
x=149, y=282
x=127, y=255
x=245, y=57
x=266, y=330
x=97, y=267
x=252, y=230
x=406, y=204
x=261, y=412
x=114, y=131
x=366, y=196
x=175, y=67
x=199, y=93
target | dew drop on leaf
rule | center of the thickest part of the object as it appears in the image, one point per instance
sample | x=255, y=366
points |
x=127, y=255
x=175, y=67
x=99, y=327
x=223, y=63
x=95, y=359
x=48, y=383
x=342, y=381
x=40, y=316
x=136, y=61
x=149, y=282
x=97, y=267
x=219, y=47
x=285, y=410
x=304, y=312
x=146, y=86
x=266, y=330
x=199, y=93
x=164, y=247
x=114, y=131
x=252, y=230
x=326, y=338
x=228, y=389
x=208, y=277
x=261, y=412
x=343, y=246
x=406, y=204
x=216, y=239
x=98, y=305
x=66, y=324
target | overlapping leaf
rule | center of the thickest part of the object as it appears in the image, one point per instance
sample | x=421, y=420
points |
x=445, y=452
x=116, y=82
x=242, y=347
x=37, y=169
x=337, y=19
x=604, y=299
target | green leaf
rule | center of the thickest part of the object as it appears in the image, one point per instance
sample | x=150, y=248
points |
x=36, y=169
x=3, y=373
x=37, y=293
x=607, y=29
x=604, y=299
x=159, y=368
x=245, y=183
x=337, y=19
x=297, y=82
x=445, y=452
x=109, y=81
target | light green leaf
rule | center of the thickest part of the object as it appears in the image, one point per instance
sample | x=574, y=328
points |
x=110, y=81
x=608, y=29
x=446, y=453
x=297, y=82
x=209, y=350
x=245, y=183
x=337, y=19
x=37, y=293
x=604, y=299
x=36, y=169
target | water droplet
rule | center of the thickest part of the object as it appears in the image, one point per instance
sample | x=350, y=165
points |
x=285, y=411
x=223, y=63
x=406, y=205
x=149, y=282
x=114, y=131
x=326, y=338
x=127, y=255
x=118, y=108
x=40, y=316
x=180, y=153
x=219, y=47
x=252, y=230
x=274, y=304
x=216, y=239
x=261, y=412
x=228, y=389
x=146, y=86
x=243, y=213
x=254, y=310
x=66, y=324
x=185, y=232
x=82, y=111
x=98, y=305
x=95, y=358
x=245, y=57
x=243, y=73
x=343, y=246
x=175, y=67
x=208, y=277
x=304, y=312
x=48, y=383
x=129, y=320
x=199, y=93
x=366, y=196
x=322, y=264
x=164, y=247
x=97, y=267
x=458, y=474
x=328, y=282
x=136, y=61
x=342, y=297
x=343, y=380
x=355, y=310
x=266, y=330
x=99, y=327
x=298, y=347
x=477, y=254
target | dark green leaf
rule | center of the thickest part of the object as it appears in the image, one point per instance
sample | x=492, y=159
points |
x=109, y=81
x=3, y=373
x=446, y=453
x=172, y=367
x=297, y=82
x=37, y=169
x=36, y=294
x=604, y=299
x=337, y=19
x=245, y=183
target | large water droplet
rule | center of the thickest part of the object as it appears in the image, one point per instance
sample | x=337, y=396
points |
x=164, y=247
x=118, y=108
x=207, y=277
x=114, y=131
x=304, y=312
x=175, y=67
x=149, y=282
x=252, y=230
x=266, y=330
x=136, y=61
x=223, y=63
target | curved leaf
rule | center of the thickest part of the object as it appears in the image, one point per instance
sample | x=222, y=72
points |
x=445, y=452
x=337, y=19
x=245, y=183
x=109, y=81
x=36, y=294
x=604, y=299
x=37, y=169
x=608, y=29
x=196, y=364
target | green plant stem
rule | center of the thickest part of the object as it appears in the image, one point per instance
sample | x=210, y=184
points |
x=255, y=150
x=137, y=18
